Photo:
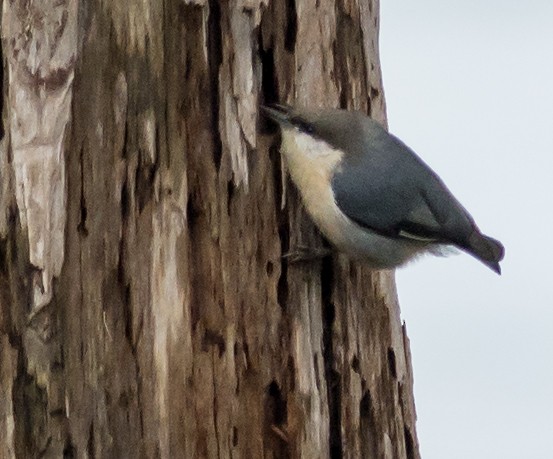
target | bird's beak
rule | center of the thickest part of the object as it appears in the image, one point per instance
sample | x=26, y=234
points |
x=277, y=112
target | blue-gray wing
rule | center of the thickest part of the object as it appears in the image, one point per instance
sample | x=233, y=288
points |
x=390, y=190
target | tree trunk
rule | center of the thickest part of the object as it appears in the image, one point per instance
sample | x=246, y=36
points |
x=145, y=309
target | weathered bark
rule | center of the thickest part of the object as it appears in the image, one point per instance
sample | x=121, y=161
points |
x=145, y=309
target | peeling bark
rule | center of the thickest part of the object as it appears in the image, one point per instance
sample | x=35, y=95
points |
x=40, y=44
x=145, y=309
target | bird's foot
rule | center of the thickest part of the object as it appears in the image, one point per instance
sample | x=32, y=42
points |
x=303, y=254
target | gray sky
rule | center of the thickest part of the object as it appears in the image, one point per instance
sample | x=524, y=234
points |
x=469, y=86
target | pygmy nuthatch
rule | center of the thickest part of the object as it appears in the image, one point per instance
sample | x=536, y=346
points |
x=371, y=195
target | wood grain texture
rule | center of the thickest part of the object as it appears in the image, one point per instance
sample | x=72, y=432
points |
x=151, y=218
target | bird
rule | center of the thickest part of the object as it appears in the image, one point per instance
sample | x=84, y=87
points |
x=369, y=194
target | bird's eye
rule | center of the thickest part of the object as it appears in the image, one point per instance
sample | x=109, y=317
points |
x=303, y=126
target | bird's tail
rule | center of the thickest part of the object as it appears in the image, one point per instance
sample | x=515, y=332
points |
x=486, y=249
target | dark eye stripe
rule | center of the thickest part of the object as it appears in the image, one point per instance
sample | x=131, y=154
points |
x=302, y=125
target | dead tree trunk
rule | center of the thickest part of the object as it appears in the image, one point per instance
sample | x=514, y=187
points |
x=145, y=310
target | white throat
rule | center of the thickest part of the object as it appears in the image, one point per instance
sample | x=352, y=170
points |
x=311, y=164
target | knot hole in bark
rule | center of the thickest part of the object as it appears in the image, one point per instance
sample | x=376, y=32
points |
x=276, y=417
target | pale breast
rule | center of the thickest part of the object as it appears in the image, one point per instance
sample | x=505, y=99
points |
x=311, y=163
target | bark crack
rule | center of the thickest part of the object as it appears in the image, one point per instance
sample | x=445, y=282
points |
x=4, y=91
x=333, y=378
x=215, y=427
x=291, y=26
x=215, y=58
x=81, y=227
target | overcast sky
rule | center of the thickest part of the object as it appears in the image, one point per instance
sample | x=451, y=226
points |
x=469, y=86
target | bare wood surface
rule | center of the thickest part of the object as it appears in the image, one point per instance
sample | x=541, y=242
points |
x=145, y=307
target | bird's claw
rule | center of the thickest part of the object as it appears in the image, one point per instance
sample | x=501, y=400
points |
x=302, y=254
